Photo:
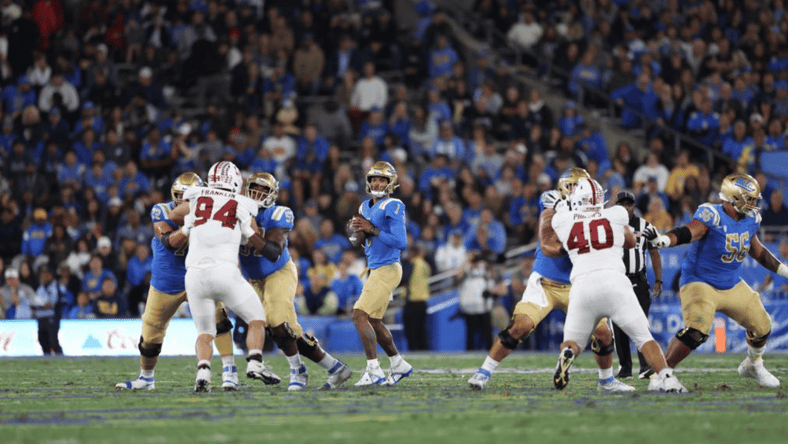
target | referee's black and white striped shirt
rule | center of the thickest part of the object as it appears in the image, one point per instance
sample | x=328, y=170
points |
x=635, y=258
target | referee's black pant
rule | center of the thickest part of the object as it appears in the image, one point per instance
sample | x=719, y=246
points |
x=640, y=286
x=48, y=328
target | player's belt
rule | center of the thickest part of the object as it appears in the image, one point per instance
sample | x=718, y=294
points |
x=552, y=283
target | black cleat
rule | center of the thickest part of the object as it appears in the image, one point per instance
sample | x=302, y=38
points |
x=561, y=377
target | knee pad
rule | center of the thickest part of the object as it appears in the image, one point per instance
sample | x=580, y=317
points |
x=601, y=349
x=149, y=350
x=224, y=326
x=507, y=340
x=691, y=337
x=307, y=345
x=758, y=339
x=283, y=335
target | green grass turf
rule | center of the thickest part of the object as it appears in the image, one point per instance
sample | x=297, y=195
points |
x=73, y=400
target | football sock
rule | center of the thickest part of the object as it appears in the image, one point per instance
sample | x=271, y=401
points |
x=373, y=364
x=294, y=361
x=146, y=373
x=755, y=353
x=396, y=360
x=228, y=361
x=665, y=372
x=204, y=364
x=605, y=373
x=327, y=362
x=255, y=355
x=490, y=364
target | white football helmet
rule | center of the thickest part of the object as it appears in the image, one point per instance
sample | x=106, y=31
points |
x=588, y=195
x=225, y=175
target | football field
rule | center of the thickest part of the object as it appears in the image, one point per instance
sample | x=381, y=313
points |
x=73, y=400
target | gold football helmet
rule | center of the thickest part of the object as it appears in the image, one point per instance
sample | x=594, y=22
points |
x=742, y=191
x=568, y=180
x=382, y=169
x=262, y=187
x=183, y=183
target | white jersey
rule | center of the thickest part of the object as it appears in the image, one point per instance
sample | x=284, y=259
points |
x=593, y=239
x=217, y=233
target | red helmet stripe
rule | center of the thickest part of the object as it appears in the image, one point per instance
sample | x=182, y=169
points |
x=593, y=192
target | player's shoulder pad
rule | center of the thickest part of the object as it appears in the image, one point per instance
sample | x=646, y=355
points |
x=161, y=212
x=282, y=216
x=393, y=208
x=620, y=214
x=709, y=214
x=192, y=192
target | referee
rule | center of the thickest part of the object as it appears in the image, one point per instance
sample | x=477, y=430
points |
x=635, y=263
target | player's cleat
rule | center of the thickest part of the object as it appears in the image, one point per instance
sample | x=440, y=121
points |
x=338, y=374
x=671, y=384
x=298, y=379
x=612, y=384
x=756, y=371
x=371, y=377
x=203, y=383
x=261, y=372
x=645, y=374
x=479, y=379
x=230, y=378
x=141, y=383
x=655, y=384
x=624, y=373
x=561, y=377
x=396, y=375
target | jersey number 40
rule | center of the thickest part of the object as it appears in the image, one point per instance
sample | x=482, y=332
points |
x=577, y=237
x=204, y=211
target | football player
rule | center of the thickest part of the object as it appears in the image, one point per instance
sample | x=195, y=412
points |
x=167, y=292
x=274, y=277
x=722, y=235
x=594, y=238
x=218, y=222
x=382, y=220
x=548, y=289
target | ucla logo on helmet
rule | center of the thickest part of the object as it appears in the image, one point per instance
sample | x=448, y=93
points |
x=745, y=184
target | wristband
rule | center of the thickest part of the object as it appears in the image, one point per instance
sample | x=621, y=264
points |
x=658, y=281
x=782, y=270
x=185, y=230
x=375, y=231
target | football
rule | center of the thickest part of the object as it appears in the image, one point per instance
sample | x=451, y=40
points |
x=356, y=238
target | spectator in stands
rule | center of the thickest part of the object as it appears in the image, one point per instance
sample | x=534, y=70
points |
x=58, y=245
x=83, y=309
x=777, y=213
x=703, y=124
x=108, y=303
x=441, y=59
x=448, y=144
x=318, y=295
x=778, y=283
x=436, y=175
x=346, y=285
x=370, y=91
x=137, y=274
x=375, y=126
x=570, y=120
x=734, y=146
x=681, y=171
x=330, y=242
x=309, y=60
x=345, y=57
x=282, y=148
x=451, y=254
x=775, y=141
x=652, y=168
x=526, y=33
x=422, y=134
x=15, y=297
x=631, y=98
x=35, y=237
x=59, y=92
x=657, y=215
x=585, y=74
x=17, y=97
x=95, y=275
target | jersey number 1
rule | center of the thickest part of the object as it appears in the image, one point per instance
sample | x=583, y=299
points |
x=225, y=214
x=577, y=237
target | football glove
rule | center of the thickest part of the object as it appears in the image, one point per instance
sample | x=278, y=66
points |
x=245, y=219
x=188, y=223
x=655, y=239
x=551, y=198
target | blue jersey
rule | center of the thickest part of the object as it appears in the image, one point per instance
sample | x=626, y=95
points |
x=253, y=264
x=388, y=215
x=554, y=268
x=716, y=259
x=168, y=268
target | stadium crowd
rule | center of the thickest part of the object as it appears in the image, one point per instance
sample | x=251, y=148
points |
x=105, y=103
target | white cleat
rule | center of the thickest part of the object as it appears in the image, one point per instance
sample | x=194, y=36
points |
x=337, y=375
x=203, y=382
x=479, y=379
x=260, y=371
x=396, y=375
x=230, y=378
x=371, y=377
x=671, y=384
x=613, y=385
x=141, y=383
x=758, y=372
x=298, y=379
